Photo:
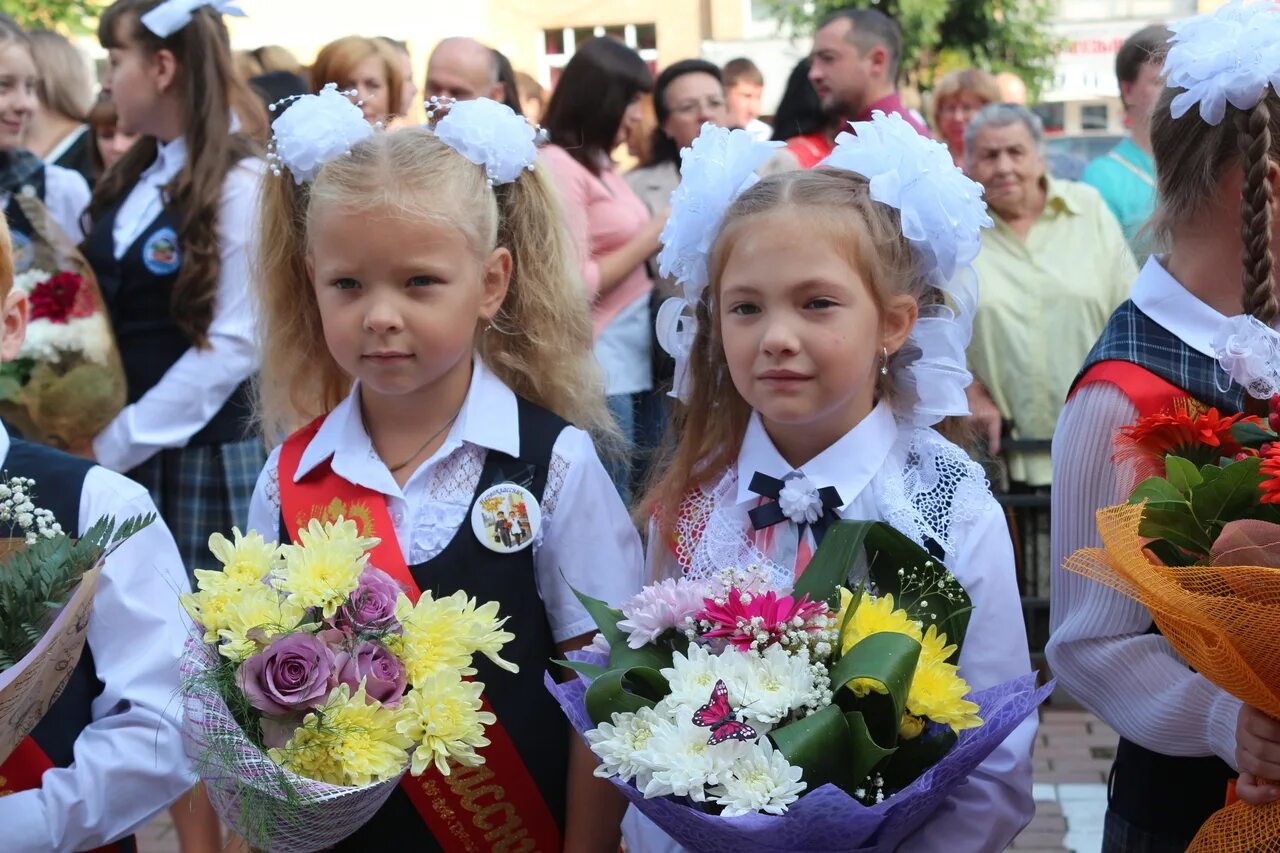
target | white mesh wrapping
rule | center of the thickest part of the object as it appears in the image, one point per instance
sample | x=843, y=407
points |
x=267, y=805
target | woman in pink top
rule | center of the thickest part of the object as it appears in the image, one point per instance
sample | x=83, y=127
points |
x=595, y=104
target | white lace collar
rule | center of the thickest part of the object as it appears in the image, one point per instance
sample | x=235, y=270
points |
x=850, y=464
x=489, y=418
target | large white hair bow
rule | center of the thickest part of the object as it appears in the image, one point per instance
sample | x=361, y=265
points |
x=315, y=130
x=942, y=215
x=491, y=135
x=1231, y=55
x=172, y=15
x=719, y=166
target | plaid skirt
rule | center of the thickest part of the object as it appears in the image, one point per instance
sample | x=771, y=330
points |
x=201, y=491
x=1120, y=836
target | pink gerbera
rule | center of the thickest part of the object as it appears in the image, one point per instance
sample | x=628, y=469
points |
x=757, y=621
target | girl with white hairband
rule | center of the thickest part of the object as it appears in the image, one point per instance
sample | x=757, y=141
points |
x=427, y=345
x=820, y=338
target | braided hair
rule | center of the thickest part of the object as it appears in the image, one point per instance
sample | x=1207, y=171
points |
x=1254, y=133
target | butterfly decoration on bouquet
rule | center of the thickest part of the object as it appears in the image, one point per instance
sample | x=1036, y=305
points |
x=721, y=718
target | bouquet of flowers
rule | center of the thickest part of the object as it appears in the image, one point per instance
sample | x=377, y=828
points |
x=316, y=682
x=67, y=382
x=737, y=717
x=1198, y=545
x=47, y=583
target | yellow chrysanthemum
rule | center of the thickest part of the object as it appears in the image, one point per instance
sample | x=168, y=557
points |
x=873, y=616
x=351, y=740
x=440, y=635
x=247, y=558
x=937, y=690
x=256, y=608
x=910, y=727
x=443, y=718
x=324, y=568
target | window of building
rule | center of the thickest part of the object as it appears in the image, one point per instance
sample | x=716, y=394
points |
x=559, y=45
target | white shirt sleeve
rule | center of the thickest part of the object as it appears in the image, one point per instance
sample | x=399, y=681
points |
x=588, y=541
x=129, y=762
x=264, y=506
x=201, y=381
x=66, y=195
x=988, y=810
x=1099, y=647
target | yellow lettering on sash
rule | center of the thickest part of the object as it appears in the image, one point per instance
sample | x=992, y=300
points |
x=525, y=844
x=482, y=817
x=456, y=827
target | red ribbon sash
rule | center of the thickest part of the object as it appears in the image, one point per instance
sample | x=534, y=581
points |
x=496, y=806
x=23, y=770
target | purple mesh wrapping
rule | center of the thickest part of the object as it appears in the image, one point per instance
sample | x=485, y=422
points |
x=828, y=819
x=267, y=805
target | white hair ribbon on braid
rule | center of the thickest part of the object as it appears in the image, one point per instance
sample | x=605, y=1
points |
x=172, y=15
x=314, y=130
x=717, y=168
x=942, y=215
x=1229, y=56
x=1249, y=352
x=489, y=134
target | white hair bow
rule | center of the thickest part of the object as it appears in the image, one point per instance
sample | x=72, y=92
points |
x=172, y=15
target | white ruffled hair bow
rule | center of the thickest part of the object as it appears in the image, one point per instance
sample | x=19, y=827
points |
x=942, y=215
x=172, y=15
x=1229, y=56
x=1249, y=352
x=717, y=168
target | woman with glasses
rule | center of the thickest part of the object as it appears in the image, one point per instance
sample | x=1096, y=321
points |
x=958, y=97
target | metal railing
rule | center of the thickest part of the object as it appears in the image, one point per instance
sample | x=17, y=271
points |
x=1028, y=514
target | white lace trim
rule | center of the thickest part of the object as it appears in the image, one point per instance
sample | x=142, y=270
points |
x=935, y=494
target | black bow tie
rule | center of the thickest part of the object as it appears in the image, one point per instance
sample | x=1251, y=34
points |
x=769, y=514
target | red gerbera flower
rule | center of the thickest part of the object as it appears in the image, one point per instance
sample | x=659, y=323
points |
x=1191, y=430
x=1271, y=472
x=55, y=300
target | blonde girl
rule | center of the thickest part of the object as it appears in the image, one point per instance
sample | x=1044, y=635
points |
x=430, y=327
x=823, y=353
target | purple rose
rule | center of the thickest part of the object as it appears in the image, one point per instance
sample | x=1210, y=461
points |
x=371, y=608
x=381, y=671
x=294, y=673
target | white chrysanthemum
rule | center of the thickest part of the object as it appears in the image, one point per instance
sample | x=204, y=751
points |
x=26, y=281
x=683, y=763
x=692, y=676
x=88, y=337
x=777, y=682
x=491, y=135
x=618, y=746
x=315, y=130
x=761, y=780
x=1231, y=55
x=1249, y=351
x=659, y=608
x=718, y=166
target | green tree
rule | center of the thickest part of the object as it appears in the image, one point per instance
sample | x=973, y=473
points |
x=66, y=16
x=938, y=35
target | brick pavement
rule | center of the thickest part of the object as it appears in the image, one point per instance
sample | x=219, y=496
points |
x=1073, y=755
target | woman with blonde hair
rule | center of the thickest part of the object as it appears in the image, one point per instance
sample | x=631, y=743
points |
x=369, y=67
x=57, y=132
x=957, y=98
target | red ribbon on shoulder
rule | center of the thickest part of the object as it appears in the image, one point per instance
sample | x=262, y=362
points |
x=496, y=806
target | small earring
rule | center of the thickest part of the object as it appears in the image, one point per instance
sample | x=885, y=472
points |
x=884, y=361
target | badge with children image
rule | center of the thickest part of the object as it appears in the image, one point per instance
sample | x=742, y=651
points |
x=160, y=253
x=506, y=517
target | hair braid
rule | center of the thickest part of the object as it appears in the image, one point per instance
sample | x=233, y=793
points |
x=1255, y=213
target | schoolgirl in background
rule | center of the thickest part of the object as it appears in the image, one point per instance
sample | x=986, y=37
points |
x=30, y=190
x=823, y=356
x=422, y=312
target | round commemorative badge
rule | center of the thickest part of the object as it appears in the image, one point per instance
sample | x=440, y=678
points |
x=160, y=253
x=506, y=517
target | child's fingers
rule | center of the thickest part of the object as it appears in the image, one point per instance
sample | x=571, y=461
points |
x=1256, y=791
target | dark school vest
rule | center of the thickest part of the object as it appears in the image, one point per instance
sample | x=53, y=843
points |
x=137, y=290
x=59, y=481
x=1162, y=794
x=21, y=231
x=521, y=701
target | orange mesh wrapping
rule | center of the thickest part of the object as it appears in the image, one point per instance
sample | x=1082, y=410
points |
x=1224, y=621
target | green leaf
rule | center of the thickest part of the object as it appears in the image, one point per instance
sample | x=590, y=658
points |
x=590, y=670
x=1251, y=435
x=1181, y=474
x=622, y=656
x=915, y=756
x=869, y=754
x=1177, y=525
x=833, y=562
x=1230, y=495
x=609, y=694
x=889, y=659
x=1157, y=489
x=1170, y=554
x=605, y=617
x=820, y=743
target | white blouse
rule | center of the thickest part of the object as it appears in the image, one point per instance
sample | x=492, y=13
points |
x=923, y=485
x=129, y=762
x=586, y=540
x=1099, y=647
x=201, y=381
x=66, y=196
